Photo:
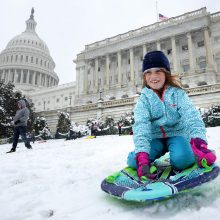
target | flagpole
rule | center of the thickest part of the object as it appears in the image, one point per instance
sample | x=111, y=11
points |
x=157, y=11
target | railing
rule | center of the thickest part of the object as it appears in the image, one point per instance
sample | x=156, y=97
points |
x=118, y=102
x=204, y=89
x=215, y=16
x=148, y=28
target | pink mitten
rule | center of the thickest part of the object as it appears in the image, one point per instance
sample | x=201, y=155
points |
x=201, y=151
x=143, y=165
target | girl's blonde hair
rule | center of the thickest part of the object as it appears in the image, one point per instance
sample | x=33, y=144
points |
x=171, y=80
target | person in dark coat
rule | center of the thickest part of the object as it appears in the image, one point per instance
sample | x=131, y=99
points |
x=119, y=129
x=20, y=126
x=33, y=136
x=95, y=129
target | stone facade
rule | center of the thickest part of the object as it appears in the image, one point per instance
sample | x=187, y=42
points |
x=108, y=72
x=191, y=41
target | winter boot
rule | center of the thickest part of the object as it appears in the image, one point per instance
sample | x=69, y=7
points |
x=11, y=151
x=28, y=146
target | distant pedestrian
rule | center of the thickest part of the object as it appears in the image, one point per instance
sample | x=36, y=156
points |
x=92, y=129
x=33, y=136
x=20, y=126
x=119, y=129
x=95, y=129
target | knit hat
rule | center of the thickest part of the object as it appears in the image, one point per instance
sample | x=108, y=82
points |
x=155, y=59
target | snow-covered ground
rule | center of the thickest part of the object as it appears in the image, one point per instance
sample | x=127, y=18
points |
x=61, y=179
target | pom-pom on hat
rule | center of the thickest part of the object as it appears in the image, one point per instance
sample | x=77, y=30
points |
x=155, y=59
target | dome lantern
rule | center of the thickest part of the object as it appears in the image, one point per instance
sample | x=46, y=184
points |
x=31, y=23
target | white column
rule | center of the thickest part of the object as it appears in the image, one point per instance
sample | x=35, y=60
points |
x=96, y=75
x=158, y=45
x=8, y=75
x=4, y=76
x=77, y=81
x=208, y=49
x=119, y=68
x=191, y=55
x=174, y=57
x=144, y=50
x=40, y=79
x=34, y=77
x=22, y=76
x=131, y=65
x=85, y=80
x=15, y=73
x=52, y=81
x=107, y=62
x=28, y=76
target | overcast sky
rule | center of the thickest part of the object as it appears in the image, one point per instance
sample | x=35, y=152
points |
x=68, y=25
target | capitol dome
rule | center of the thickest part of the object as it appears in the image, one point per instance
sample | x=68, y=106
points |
x=26, y=61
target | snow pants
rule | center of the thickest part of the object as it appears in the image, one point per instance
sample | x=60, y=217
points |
x=181, y=154
x=20, y=130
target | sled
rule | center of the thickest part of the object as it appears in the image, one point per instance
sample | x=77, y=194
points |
x=89, y=137
x=126, y=185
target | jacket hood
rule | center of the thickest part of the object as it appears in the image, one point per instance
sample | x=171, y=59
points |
x=22, y=103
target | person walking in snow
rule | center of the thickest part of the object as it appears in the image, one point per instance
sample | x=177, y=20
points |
x=20, y=126
x=119, y=128
x=166, y=121
x=95, y=129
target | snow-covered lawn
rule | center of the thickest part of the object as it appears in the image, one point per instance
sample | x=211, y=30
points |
x=61, y=179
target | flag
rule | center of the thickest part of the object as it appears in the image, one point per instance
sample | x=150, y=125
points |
x=162, y=17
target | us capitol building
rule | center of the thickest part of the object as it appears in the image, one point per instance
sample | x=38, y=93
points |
x=108, y=72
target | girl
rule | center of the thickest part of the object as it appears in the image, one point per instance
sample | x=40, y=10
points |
x=166, y=120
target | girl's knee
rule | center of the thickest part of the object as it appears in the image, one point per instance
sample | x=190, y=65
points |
x=131, y=161
x=181, y=162
x=181, y=154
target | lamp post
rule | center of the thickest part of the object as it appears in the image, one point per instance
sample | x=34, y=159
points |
x=181, y=76
x=44, y=104
x=70, y=98
x=100, y=95
x=136, y=87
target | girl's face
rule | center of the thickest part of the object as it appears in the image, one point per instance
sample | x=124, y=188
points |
x=155, y=78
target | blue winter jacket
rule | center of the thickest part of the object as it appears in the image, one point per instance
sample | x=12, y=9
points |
x=172, y=115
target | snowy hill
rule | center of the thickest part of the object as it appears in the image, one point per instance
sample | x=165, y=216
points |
x=61, y=180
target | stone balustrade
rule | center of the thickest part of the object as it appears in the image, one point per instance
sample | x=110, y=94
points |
x=204, y=90
x=215, y=16
x=148, y=28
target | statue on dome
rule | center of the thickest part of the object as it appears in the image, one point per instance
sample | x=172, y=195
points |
x=32, y=13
